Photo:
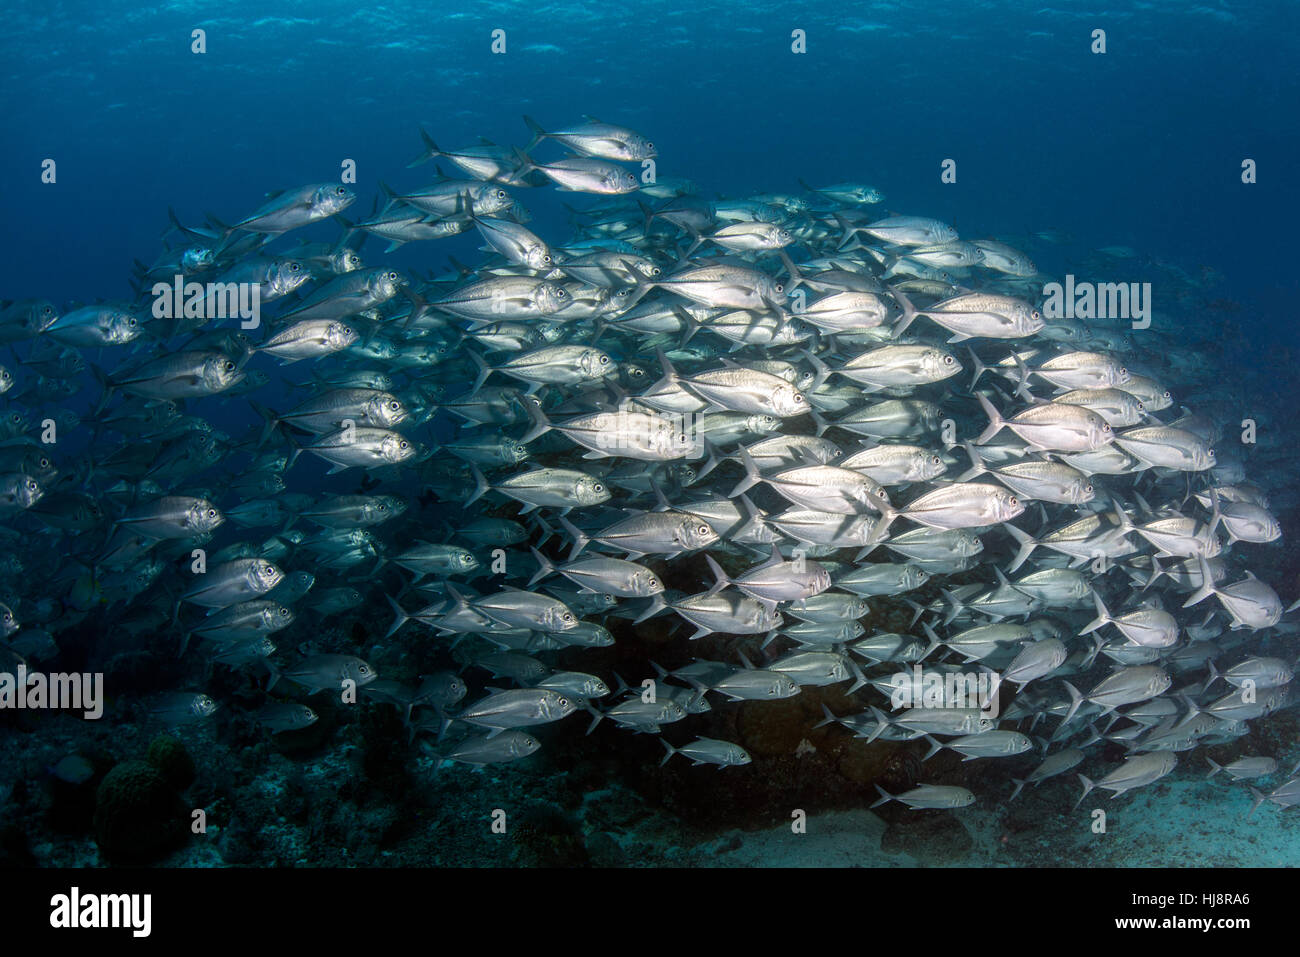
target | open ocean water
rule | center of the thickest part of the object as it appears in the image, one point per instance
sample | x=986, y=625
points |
x=317, y=608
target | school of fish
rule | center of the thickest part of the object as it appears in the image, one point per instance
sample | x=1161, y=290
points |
x=837, y=407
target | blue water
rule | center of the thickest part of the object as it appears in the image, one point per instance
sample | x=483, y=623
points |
x=1141, y=146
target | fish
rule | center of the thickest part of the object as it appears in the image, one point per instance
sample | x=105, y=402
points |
x=278, y=717
x=929, y=796
x=594, y=138
x=1135, y=772
x=73, y=769
x=722, y=754
x=751, y=445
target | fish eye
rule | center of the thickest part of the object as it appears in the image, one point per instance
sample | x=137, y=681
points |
x=704, y=529
x=294, y=267
x=1088, y=489
x=501, y=194
x=1014, y=501
x=598, y=487
x=649, y=145
x=131, y=321
x=228, y=365
x=780, y=287
x=31, y=486
x=948, y=360
x=212, y=513
x=44, y=463
x=936, y=460
x=1035, y=314
x=284, y=612
x=604, y=360
x=394, y=405
x=391, y=276
x=798, y=398
x=568, y=617
x=340, y=191
x=1105, y=426
x=560, y=294
x=546, y=259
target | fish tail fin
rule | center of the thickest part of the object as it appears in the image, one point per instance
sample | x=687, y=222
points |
x=269, y=421
x=753, y=518
x=980, y=367
x=859, y=679
x=720, y=579
x=545, y=568
x=657, y=604
x=534, y=128
x=1103, y=616
x=669, y=751
x=796, y=277
x=887, y=514
x=828, y=719
x=1216, y=517
x=1156, y=571
x=541, y=424
x=712, y=458
x=751, y=478
x=1087, y=786
x=821, y=370
x=596, y=716
x=401, y=617
x=480, y=485
x=882, y=722
x=996, y=422
x=430, y=150
x=1207, y=584
x=935, y=642
x=909, y=312
x=484, y=370
x=295, y=450
x=1076, y=699
x=1022, y=386
x=935, y=748
x=579, y=539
